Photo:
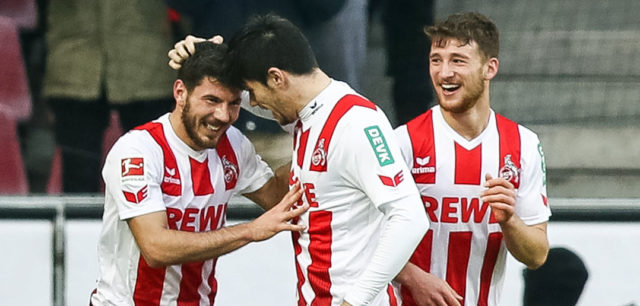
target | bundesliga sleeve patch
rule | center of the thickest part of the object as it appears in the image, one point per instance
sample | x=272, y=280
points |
x=379, y=145
x=132, y=166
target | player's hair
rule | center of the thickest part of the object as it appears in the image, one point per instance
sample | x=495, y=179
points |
x=467, y=27
x=208, y=61
x=268, y=41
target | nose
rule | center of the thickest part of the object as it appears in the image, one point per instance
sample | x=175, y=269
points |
x=252, y=100
x=222, y=113
x=445, y=70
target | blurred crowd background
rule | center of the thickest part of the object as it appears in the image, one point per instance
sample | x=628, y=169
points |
x=76, y=74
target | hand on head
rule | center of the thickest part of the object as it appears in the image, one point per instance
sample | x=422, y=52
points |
x=186, y=47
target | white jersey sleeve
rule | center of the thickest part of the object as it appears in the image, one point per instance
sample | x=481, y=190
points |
x=532, y=206
x=254, y=172
x=377, y=168
x=133, y=173
x=404, y=142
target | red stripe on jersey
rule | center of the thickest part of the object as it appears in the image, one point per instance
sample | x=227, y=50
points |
x=320, y=250
x=189, y=283
x=421, y=258
x=468, y=165
x=298, y=249
x=304, y=138
x=420, y=131
x=509, y=135
x=201, y=177
x=392, y=296
x=213, y=283
x=229, y=162
x=319, y=157
x=149, y=284
x=458, y=254
x=171, y=183
x=490, y=258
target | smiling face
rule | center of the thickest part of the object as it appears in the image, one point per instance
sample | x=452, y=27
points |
x=269, y=98
x=460, y=74
x=205, y=113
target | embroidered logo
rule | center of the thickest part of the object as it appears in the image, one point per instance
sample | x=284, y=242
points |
x=230, y=170
x=392, y=182
x=379, y=145
x=169, y=176
x=423, y=168
x=132, y=166
x=319, y=156
x=138, y=196
x=509, y=171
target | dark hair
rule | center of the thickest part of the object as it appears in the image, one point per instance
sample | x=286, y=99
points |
x=209, y=60
x=267, y=41
x=559, y=282
x=467, y=27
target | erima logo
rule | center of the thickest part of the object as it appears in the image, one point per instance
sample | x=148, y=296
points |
x=422, y=163
x=379, y=145
x=170, y=179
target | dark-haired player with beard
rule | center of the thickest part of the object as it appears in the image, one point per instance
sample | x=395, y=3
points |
x=168, y=184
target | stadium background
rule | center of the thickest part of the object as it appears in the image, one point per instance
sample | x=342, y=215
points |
x=570, y=70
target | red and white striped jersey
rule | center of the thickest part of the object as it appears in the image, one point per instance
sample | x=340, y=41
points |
x=150, y=169
x=464, y=245
x=348, y=162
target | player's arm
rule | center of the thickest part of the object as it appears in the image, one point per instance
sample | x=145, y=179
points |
x=162, y=246
x=527, y=243
x=272, y=191
x=388, y=184
x=426, y=288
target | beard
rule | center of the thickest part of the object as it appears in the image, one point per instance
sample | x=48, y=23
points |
x=191, y=124
x=474, y=89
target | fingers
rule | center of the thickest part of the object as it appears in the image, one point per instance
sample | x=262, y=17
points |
x=290, y=198
x=216, y=39
x=499, y=198
x=498, y=181
x=182, y=50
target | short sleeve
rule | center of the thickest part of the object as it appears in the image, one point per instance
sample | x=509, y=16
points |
x=132, y=174
x=531, y=201
x=372, y=158
x=254, y=172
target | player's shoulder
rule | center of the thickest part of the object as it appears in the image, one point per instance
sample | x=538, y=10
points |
x=526, y=134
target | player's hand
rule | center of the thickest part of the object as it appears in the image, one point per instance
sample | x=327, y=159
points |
x=501, y=196
x=185, y=48
x=429, y=290
x=345, y=303
x=277, y=218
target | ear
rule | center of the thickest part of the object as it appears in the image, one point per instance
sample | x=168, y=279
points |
x=276, y=78
x=180, y=93
x=491, y=68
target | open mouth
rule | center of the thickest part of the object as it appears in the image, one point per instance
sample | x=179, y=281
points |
x=450, y=87
x=212, y=128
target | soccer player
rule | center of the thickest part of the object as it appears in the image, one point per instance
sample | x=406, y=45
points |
x=168, y=184
x=365, y=216
x=481, y=176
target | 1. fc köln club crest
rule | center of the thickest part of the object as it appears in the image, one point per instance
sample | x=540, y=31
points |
x=319, y=157
x=230, y=170
x=509, y=171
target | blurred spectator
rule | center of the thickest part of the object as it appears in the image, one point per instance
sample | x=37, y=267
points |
x=103, y=55
x=559, y=282
x=407, y=49
x=336, y=30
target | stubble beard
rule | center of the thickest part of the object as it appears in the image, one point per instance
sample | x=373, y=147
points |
x=190, y=123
